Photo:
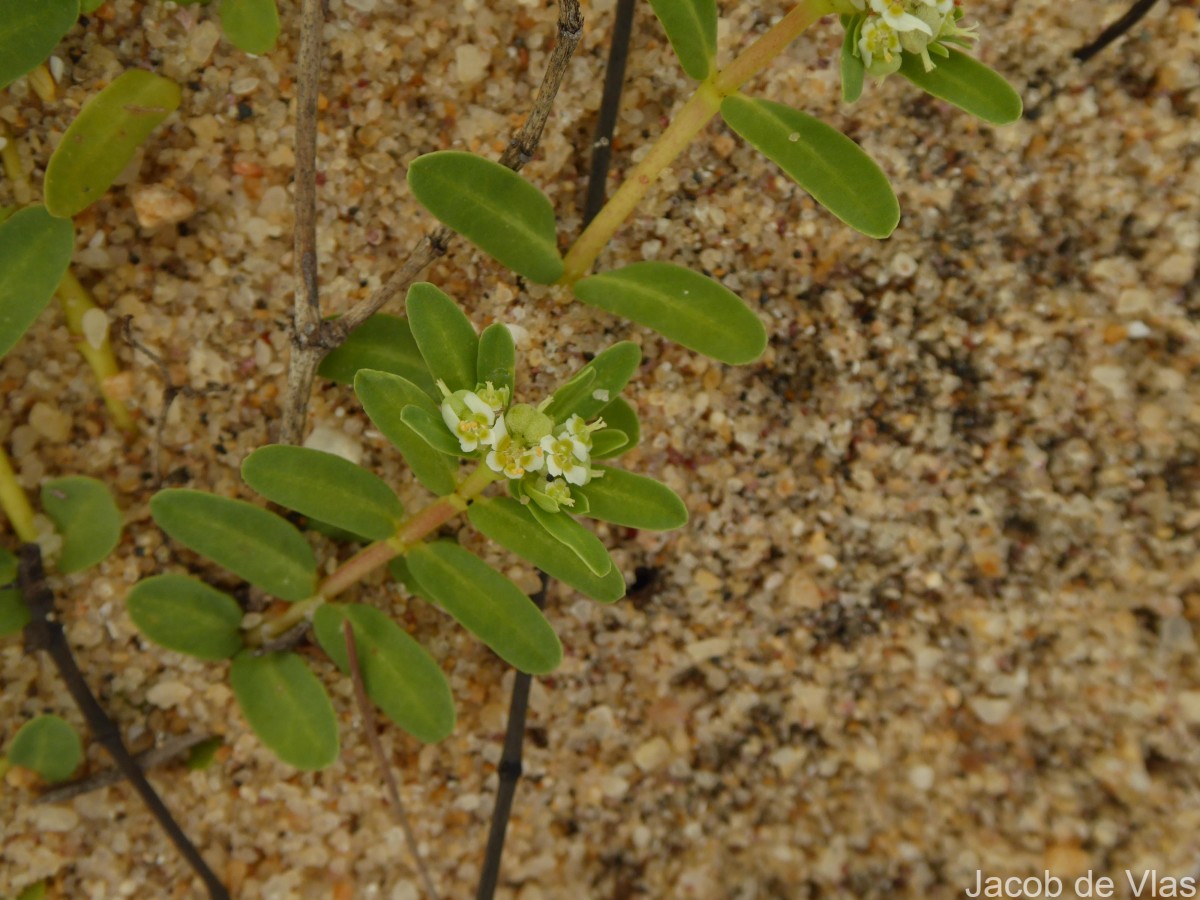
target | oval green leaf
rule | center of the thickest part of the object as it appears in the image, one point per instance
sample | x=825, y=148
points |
x=511, y=525
x=29, y=32
x=101, y=141
x=632, y=500
x=597, y=384
x=397, y=672
x=488, y=605
x=853, y=70
x=432, y=429
x=251, y=542
x=497, y=357
x=620, y=416
x=35, y=250
x=967, y=83
x=186, y=615
x=251, y=25
x=608, y=443
x=384, y=397
x=691, y=27
x=287, y=708
x=48, y=746
x=492, y=207
x=325, y=487
x=384, y=343
x=14, y=614
x=819, y=158
x=444, y=335
x=690, y=309
x=575, y=538
x=85, y=514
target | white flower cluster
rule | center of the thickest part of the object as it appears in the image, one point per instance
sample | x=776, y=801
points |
x=522, y=442
x=914, y=26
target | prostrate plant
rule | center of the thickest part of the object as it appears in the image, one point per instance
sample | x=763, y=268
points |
x=458, y=407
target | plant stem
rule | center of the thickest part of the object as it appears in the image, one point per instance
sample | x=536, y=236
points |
x=412, y=530
x=76, y=302
x=14, y=502
x=45, y=632
x=610, y=105
x=509, y=771
x=696, y=113
x=367, y=714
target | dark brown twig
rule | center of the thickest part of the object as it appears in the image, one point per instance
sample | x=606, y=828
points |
x=509, y=772
x=44, y=632
x=1115, y=30
x=164, y=753
x=610, y=105
x=368, y=722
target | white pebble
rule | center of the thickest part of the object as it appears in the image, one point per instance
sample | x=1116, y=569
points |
x=335, y=441
x=95, y=327
x=166, y=694
x=55, y=818
x=709, y=649
x=50, y=423
x=472, y=63
x=921, y=777
x=652, y=754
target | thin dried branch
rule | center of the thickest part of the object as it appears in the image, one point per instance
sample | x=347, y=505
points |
x=307, y=333
x=170, y=749
x=1115, y=30
x=367, y=714
x=520, y=150
x=45, y=632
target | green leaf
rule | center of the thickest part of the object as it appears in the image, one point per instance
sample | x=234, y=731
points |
x=594, y=386
x=251, y=542
x=444, y=335
x=14, y=614
x=632, y=500
x=967, y=83
x=819, y=158
x=399, y=570
x=492, y=207
x=29, y=32
x=35, y=250
x=488, y=605
x=102, y=140
x=397, y=672
x=48, y=746
x=682, y=305
x=434, y=432
x=184, y=614
x=287, y=707
x=497, y=357
x=512, y=525
x=35, y=891
x=691, y=27
x=251, y=25
x=85, y=514
x=853, y=70
x=384, y=397
x=575, y=538
x=384, y=343
x=609, y=442
x=325, y=487
x=90, y=6
x=203, y=754
x=619, y=415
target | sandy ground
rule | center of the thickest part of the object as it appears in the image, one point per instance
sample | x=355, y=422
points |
x=934, y=611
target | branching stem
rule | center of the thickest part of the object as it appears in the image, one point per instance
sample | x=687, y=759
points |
x=695, y=114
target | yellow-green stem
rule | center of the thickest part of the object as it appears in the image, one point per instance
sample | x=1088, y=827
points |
x=411, y=531
x=42, y=83
x=696, y=113
x=76, y=302
x=10, y=159
x=14, y=502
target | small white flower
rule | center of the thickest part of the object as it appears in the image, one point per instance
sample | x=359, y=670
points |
x=879, y=45
x=896, y=15
x=468, y=418
x=513, y=459
x=564, y=458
